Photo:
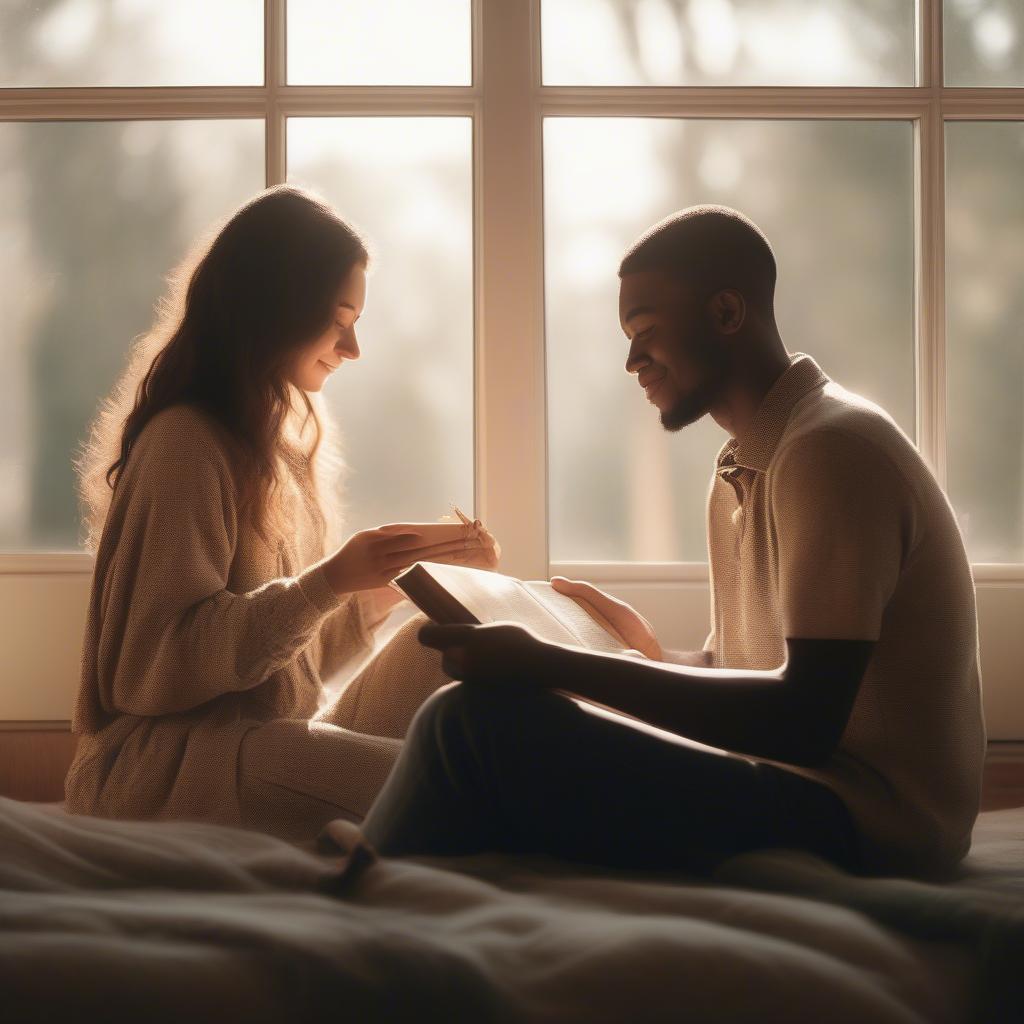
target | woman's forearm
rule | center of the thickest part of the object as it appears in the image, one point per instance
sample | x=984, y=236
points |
x=695, y=659
x=164, y=657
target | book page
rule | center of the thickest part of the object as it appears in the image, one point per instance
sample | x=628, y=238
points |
x=591, y=634
x=503, y=598
x=494, y=597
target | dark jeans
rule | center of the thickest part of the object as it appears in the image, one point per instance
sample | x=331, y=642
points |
x=534, y=772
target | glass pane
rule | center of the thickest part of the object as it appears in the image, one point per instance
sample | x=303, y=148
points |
x=387, y=42
x=836, y=199
x=405, y=409
x=728, y=42
x=131, y=42
x=984, y=43
x=92, y=217
x=985, y=347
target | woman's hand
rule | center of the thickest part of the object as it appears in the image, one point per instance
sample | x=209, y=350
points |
x=637, y=632
x=372, y=558
x=497, y=653
x=485, y=553
x=490, y=554
x=468, y=543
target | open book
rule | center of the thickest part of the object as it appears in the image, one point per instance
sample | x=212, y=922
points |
x=458, y=594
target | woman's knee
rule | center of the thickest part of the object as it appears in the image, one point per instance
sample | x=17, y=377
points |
x=385, y=694
x=406, y=641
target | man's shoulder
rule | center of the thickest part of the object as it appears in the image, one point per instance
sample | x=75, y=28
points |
x=848, y=428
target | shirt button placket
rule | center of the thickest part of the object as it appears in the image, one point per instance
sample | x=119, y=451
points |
x=734, y=477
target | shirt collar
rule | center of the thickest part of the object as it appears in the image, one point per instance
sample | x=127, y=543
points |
x=754, y=450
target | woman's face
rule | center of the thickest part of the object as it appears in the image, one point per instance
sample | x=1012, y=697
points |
x=319, y=358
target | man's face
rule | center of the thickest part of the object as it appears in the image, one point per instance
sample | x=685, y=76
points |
x=678, y=357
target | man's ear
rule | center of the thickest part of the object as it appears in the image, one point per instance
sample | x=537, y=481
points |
x=728, y=310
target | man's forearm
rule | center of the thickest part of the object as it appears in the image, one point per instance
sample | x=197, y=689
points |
x=747, y=712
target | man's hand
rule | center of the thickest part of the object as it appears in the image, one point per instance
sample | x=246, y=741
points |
x=624, y=619
x=498, y=652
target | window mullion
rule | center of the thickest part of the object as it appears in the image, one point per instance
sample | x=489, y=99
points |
x=930, y=297
x=929, y=44
x=930, y=244
x=275, y=56
x=144, y=103
x=511, y=477
x=754, y=102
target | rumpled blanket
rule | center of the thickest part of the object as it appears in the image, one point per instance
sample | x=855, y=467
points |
x=980, y=911
x=108, y=920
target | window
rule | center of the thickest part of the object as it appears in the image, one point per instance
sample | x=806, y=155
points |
x=406, y=411
x=66, y=43
x=728, y=42
x=985, y=355
x=105, y=192
x=984, y=43
x=836, y=198
x=498, y=202
x=386, y=42
x=674, y=103
x=94, y=214
x=500, y=155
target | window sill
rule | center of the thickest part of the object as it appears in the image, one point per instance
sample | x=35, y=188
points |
x=80, y=563
x=697, y=572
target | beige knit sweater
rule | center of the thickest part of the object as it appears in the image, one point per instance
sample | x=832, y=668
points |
x=197, y=631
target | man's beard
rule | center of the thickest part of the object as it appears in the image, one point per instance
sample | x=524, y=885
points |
x=692, y=407
x=687, y=410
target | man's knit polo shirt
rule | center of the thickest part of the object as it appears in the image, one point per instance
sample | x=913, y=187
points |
x=825, y=522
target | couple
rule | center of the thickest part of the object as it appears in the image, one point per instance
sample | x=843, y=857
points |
x=836, y=704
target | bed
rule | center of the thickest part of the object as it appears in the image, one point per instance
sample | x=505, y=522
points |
x=112, y=921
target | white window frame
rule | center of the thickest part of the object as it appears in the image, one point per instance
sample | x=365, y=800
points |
x=507, y=103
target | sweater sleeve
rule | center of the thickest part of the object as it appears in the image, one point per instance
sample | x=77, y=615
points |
x=345, y=634
x=172, y=636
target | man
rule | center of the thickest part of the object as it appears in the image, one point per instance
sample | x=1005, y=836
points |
x=836, y=705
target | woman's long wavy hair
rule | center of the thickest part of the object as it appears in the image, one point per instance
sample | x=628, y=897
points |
x=236, y=312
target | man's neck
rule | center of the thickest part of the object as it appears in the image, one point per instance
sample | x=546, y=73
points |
x=753, y=376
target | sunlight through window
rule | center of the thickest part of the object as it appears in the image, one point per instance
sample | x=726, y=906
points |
x=728, y=42
x=131, y=42
x=836, y=201
x=406, y=407
x=387, y=42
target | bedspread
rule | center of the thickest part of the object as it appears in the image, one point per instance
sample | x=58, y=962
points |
x=107, y=920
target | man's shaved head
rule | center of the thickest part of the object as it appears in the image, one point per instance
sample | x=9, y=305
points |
x=696, y=300
x=711, y=247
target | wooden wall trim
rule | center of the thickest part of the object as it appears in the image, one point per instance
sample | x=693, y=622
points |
x=34, y=758
x=55, y=726
x=33, y=762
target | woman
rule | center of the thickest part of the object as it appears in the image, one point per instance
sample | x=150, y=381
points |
x=220, y=598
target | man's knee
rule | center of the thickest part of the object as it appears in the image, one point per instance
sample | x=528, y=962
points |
x=461, y=712
x=455, y=707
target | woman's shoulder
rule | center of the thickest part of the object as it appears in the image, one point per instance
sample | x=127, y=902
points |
x=183, y=428
x=181, y=421
x=182, y=444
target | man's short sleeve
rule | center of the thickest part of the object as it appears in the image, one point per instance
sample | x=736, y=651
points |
x=841, y=514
